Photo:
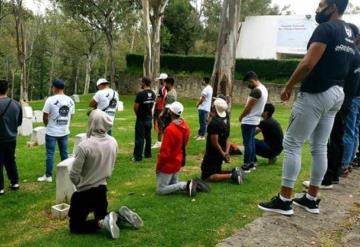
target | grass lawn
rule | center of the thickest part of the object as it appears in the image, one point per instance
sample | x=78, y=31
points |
x=173, y=220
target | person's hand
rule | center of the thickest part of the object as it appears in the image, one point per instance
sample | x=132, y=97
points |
x=286, y=93
x=227, y=158
x=240, y=119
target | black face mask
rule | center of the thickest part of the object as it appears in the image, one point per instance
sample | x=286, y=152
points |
x=322, y=17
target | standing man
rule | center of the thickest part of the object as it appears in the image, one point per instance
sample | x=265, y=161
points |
x=170, y=98
x=172, y=155
x=218, y=147
x=273, y=135
x=159, y=107
x=94, y=163
x=322, y=72
x=57, y=116
x=250, y=118
x=10, y=120
x=143, y=105
x=204, y=107
x=105, y=99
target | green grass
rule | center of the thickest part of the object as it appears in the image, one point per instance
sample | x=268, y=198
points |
x=173, y=220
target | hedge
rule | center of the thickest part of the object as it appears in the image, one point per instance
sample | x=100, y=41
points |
x=266, y=69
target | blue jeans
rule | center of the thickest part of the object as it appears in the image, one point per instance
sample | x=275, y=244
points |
x=248, y=133
x=50, y=143
x=264, y=150
x=351, y=132
x=203, y=115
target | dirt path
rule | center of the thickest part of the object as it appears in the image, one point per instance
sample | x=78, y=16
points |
x=337, y=225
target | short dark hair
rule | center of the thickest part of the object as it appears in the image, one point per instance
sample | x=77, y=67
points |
x=170, y=80
x=354, y=29
x=270, y=109
x=146, y=81
x=341, y=5
x=4, y=86
x=206, y=80
x=251, y=75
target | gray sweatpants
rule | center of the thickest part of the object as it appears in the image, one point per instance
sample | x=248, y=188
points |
x=168, y=183
x=312, y=117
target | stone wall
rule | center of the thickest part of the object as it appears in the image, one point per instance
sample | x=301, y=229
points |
x=190, y=87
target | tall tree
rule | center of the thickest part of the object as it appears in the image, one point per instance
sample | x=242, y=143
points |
x=21, y=45
x=224, y=67
x=106, y=15
x=153, y=12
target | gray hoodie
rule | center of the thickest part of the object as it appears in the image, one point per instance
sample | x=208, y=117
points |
x=95, y=157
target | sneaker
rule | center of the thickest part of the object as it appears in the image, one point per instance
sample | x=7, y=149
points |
x=200, y=138
x=109, y=224
x=248, y=167
x=191, y=187
x=126, y=215
x=237, y=176
x=45, y=179
x=14, y=186
x=156, y=145
x=277, y=205
x=345, y=173
x=201, y=186
x=307, y=204
x=272, y=161
x=133, y=160
x=306, y=184
x=2, y=192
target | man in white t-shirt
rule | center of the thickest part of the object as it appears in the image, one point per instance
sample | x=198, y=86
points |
x=204, y=107
x=57, y=116
x=251, y=117
x=105, y=99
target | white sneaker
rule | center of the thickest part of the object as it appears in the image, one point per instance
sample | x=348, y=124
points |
x=130, y=217
x=109, y=224
x=306, y=184
x=45, y=179
x=156, y=145
x=200, y=138
x=2, y=192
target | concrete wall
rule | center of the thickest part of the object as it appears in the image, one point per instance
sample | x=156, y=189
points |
x=190, y=87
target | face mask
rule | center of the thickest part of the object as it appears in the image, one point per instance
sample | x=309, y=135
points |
x=321, y=17
x=251, y=86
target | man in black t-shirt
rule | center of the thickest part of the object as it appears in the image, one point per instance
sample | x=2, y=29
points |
x=144, y=103
x=218, y=146
x=271, y=146
x=322, y=73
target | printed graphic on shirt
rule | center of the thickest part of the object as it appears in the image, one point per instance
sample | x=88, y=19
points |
x=63, y=115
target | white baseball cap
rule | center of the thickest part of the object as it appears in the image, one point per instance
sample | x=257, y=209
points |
x=221, y=106
x=176, y=108
x=101, y=81
x=162, y=76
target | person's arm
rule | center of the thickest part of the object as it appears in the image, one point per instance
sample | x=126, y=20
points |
x=202, y=99
x=93, y=104
x=20, y=117
x=137, y=103
x=215, y=143
x=45, y=118
x=136, y=107
x=257, y=130
x=249, y=106
x=75, y=173
x=227, y=152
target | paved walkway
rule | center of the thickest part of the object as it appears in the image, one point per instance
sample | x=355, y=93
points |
x=337, y=225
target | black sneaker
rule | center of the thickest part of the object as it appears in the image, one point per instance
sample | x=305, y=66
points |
x=248, y=167
x=191, y=187
x=237, y=176
x=277, y=205
x=307, y=204
x=201, y=186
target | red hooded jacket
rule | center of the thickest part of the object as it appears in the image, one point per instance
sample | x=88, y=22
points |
x=171, y=157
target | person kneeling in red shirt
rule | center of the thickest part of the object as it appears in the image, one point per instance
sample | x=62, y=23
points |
x=172, y=155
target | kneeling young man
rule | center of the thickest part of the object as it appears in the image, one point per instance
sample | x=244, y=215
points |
x=218, y=146
x=172, y=154
x=271, y=146
x=94, y=162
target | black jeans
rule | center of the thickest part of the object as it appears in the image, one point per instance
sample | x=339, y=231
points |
x=264, y=150
x=7, y=159
x=82, y=204
x=335, y=150
x=142, y=135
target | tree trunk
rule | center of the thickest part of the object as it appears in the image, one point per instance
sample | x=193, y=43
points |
x=225, y=59
x=87, y=73
x=12, y=82
x=147, y=66
x=52, y=68
x=110, y=42
x=77, y=78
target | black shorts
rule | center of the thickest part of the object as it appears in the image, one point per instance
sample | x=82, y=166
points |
x=211, y=165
